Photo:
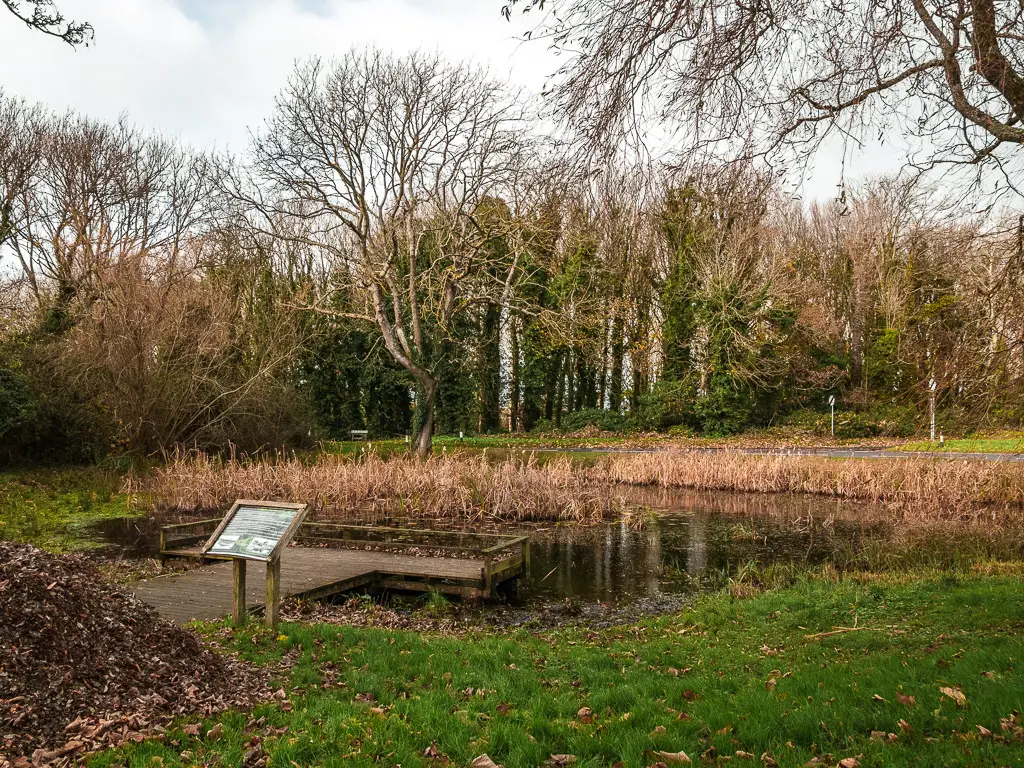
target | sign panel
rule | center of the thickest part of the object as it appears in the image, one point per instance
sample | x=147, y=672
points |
x=255, y=530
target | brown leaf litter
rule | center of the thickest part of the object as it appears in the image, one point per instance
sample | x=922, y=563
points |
x=85, y=666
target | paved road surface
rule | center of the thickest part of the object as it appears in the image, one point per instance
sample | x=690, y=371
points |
x=835, y=453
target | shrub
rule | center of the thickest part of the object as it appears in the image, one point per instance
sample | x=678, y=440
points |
x=17, y=405
x=878, y=421
x=541, y=426
x=726, y=408
x=666, y=406
x=606, y=421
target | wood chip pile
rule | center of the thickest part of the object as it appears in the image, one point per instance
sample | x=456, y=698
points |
x=84, y=665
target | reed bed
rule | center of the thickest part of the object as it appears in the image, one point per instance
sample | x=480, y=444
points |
x=461, y=488
x=444, y=487
x=916, y=486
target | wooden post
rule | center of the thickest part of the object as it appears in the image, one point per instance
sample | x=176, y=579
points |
x=488, y=575
x=526, y=560
x=238, y=614
x=270, y=619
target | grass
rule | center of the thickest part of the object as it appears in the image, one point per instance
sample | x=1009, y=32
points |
x=501, y=442
x=1014, y=444
x=779, y=437
x=725, y=679
x=53, y=508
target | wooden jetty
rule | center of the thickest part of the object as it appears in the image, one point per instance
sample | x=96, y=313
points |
x=329, y=558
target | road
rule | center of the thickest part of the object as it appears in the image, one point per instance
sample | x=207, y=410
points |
x=833, y=453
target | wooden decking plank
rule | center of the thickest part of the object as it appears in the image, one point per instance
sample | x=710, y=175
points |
x=205, y=593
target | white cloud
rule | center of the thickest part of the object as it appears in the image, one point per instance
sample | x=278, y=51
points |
x=206, y=71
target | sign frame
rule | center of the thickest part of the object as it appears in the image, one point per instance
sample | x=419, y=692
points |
x=286, y=536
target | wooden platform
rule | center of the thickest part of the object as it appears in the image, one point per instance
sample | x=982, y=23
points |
x=336, y=558
x=205, y=592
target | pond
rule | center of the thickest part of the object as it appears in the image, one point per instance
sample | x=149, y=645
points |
x=688, y=541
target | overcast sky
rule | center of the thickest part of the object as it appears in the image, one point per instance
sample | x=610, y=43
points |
x=206, y=71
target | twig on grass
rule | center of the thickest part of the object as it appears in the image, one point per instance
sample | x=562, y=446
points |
x=839, y=631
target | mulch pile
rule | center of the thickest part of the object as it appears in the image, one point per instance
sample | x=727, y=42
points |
x=85, y=666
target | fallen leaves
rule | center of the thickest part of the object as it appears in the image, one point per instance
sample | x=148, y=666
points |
x=85, y=666
x=559, y=761
x=955, y=694
x=485, y=761
x=905, y=700
x=672, y=758
x=585, y=715
x=819, y=760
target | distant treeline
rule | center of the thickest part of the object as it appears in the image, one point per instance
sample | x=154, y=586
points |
x=444, y=273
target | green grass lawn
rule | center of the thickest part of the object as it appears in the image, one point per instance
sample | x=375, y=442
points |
x=727, y=679
x=971, y=445
x=478, y=442
x=52, y=508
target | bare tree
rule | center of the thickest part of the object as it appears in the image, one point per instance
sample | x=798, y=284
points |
x=21, y=130
x=775, y=78
x=403, y=172
x=77, y=195
x=43, y=16
x=172, y=357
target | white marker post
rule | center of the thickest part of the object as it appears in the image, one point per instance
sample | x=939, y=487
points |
x=832, y=405
x=932, y=385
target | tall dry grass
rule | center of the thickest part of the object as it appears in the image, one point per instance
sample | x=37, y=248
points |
x=920, y=486
x=461, y=487
x=335, y=488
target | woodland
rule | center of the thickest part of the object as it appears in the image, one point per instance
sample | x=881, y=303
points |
x=408, y=247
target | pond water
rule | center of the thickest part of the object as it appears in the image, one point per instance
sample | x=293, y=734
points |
x=691, y=540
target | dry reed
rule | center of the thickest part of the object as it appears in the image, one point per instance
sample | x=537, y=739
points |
x=442, y=487
x=924, y=487
x=473, y=488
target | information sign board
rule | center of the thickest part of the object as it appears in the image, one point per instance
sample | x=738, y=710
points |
x=255, y=530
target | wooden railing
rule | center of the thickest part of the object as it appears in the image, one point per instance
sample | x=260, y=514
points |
x=502, y=556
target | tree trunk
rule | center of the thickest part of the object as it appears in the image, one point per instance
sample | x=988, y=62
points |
x=560, y=389
x=602, y=382
x=639, y=388
x=490, y=370
x=513, y=406
x=424, y=443
x=551, y=385
x=570, y=384
x=618, y=352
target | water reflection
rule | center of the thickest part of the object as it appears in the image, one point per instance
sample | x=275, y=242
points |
x=694, y=538
x=677, y=550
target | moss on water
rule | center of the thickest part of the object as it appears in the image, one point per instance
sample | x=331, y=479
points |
x=53, y=508
x=724, y=679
